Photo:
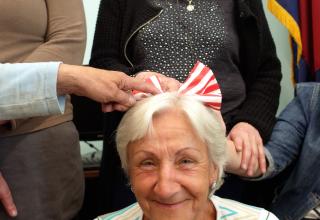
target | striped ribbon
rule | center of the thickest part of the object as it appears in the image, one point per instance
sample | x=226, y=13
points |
x=201, y=84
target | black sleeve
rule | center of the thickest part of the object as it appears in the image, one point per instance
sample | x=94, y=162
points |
x=263, y=84
x=106, y=49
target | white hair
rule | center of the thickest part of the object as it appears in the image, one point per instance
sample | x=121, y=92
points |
x=137, y=123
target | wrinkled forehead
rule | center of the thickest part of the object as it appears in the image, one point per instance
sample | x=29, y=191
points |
x=172, y=131
x=171, y=120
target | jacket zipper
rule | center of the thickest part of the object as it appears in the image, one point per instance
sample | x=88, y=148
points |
x=133, y=33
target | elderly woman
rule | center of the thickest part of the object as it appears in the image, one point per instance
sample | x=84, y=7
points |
x=168, y=36
x=173, y=150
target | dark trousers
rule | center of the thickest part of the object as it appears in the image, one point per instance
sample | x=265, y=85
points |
x=44, y=172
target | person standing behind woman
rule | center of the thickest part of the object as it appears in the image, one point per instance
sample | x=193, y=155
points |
x=168, y=37
x=40, y=157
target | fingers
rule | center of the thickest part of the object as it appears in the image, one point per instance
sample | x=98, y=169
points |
x=121, y=100
x=253, y=161
x=3, y=122
x=145, y=75
x=120, y=108
x=113, y=106
x=262, y=157
x=8, y=204
x=248, y=140
x=124, y=98
x=246, y=151
x=138, y=83
x=169, y=84
x=257, y=157
x=106, y=107
x=237, y=142
x=6, y=198
x=241, y=143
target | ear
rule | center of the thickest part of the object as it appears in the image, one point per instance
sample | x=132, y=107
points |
x=213, y=173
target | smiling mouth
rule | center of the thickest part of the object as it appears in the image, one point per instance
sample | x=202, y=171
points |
x=169, y=205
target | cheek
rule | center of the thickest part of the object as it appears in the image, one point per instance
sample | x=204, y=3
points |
x=142, y=182
x=196, y=183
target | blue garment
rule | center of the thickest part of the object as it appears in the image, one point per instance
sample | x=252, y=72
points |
x=295, y=141
x=32, y=93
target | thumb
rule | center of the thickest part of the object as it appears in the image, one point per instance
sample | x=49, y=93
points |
x=9, y=205
x=124, y=98
x=6, y=198
x=131, y=83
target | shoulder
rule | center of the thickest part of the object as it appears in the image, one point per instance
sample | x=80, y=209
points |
x=132, y=212
x=307, y=87
x=229, y=209
x=308, y=95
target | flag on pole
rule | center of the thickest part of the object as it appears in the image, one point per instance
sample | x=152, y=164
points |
x=302, y=19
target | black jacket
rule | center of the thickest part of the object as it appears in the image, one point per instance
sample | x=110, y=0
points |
x=119, y=20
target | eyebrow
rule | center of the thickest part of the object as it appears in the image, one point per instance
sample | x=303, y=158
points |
x=177, y=153
x=187, y=149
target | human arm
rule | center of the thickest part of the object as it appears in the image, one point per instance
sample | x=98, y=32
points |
x=30, y=89
x=286, y=139
x=6, y=198
x=65, y=36
x=234, y=159
x=247, y=140
x=111, y=88
x=260, y=69
x=289, y=134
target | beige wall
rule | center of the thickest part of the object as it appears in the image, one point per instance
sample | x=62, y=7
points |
x=281, y=38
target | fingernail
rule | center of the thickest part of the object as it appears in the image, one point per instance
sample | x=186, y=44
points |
x=264, y=170
x=244, y=166
x=14, y=213
x=132, y=100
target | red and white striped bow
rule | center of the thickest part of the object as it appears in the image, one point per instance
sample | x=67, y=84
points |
x=201, y=84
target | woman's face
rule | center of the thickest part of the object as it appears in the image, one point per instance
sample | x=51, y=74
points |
x=170, y=171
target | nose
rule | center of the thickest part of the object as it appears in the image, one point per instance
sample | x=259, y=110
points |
x=166, y=185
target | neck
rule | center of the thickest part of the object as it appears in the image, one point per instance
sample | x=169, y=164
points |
x=209, y=213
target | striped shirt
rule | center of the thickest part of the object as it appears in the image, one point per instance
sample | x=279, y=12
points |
x=226, y=210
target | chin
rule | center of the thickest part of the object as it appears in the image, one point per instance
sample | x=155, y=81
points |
x=176, y=206
x=171, y=216
x=176, y=211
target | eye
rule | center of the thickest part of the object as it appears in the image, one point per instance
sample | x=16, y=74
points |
x=147, y=164
x=186, y=163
